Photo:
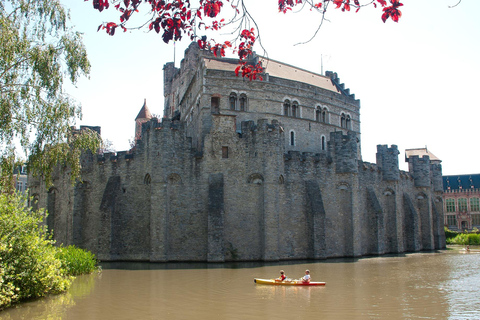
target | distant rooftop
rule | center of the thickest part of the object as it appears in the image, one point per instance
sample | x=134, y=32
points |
x=461, y=182
x=420, y=152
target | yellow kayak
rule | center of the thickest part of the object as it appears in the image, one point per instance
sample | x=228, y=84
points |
x=277, y=282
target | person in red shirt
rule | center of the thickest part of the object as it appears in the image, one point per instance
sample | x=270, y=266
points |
x=282, y=276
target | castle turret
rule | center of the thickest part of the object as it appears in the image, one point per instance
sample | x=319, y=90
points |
x=344, y=151
x=143, y=116
x=387, y=161
x=420, y=163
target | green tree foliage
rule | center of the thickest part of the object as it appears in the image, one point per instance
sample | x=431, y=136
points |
x=37, y=52
x=29, y=267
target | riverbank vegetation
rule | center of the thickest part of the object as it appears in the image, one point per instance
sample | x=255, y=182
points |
x=30, y=265
x=462, y=238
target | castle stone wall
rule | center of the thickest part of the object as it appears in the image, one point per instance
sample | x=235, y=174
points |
x=216, y=184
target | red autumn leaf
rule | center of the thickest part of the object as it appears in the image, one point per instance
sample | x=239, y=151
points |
x=392, y=11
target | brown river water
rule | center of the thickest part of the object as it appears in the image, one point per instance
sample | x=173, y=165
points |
x=436, y=285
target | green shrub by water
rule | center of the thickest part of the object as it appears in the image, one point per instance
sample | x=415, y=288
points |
x=449, y=234
x=464, y=239
x=76, y=261
x=30, y=265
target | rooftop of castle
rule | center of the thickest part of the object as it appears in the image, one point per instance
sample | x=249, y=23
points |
x=144, y=112
x=420, y=152
x=276, y=69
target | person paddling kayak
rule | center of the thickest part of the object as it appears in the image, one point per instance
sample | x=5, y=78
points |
x=306, y=277
x=282, y=276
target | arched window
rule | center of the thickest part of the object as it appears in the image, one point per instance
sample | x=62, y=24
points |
x=233, y=101
x=318, y=114
x=324, y=143
x=286, y=108
x=215, y=104
x=255, y=178
x=174, y=178
x=292, y=138
x=325, y=115
x=295, y=110
x=348, y=122
x=243, y=102
x=147, y=179
x=343, y=121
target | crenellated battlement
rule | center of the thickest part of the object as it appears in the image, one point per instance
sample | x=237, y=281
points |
x=261, y=125
x=340, y=86
x=247, y=170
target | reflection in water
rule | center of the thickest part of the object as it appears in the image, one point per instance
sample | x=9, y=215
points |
x=414, y=286
x=53, y=307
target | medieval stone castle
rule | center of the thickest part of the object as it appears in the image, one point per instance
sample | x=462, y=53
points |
x=249, y=171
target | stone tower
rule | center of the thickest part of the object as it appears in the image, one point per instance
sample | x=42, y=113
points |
x=143, y=116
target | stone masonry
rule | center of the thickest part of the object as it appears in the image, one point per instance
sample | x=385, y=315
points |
x=242, y=170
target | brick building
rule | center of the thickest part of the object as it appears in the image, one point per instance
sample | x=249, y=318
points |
x=461, y=197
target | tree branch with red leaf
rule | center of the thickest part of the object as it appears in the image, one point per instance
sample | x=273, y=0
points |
x=174, y=19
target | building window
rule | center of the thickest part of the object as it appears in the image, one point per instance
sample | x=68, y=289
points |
x=224, y=152
x=19, y=186
x=295, y=110
x=450, y=205
x=348, y=123
x=215, y=104
x=475, y=219
x=324, y=143
x=343, y=121
x=318, y=114
x=243, y=102
x=147, y=179
x=286, y=108
x=292, y=138
x=462, y=204
x=325, y=115
x=451, y=220
x=474, y=204
x=233, y=101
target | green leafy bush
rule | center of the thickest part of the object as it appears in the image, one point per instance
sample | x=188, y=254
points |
x=28, y=265
x=76, y=261
x=449, y=234
x=473, y=239
x=465, y=239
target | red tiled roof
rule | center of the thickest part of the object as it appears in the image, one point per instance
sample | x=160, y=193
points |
x=144, y=112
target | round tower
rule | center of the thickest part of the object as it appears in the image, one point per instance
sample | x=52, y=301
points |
x=143, y=116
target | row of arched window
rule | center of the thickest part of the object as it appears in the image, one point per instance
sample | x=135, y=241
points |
x=238, y=103
x=291, y=109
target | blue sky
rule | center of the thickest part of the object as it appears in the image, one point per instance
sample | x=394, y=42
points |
x=417, y=80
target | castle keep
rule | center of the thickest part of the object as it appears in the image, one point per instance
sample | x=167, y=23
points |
x=247, y=170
